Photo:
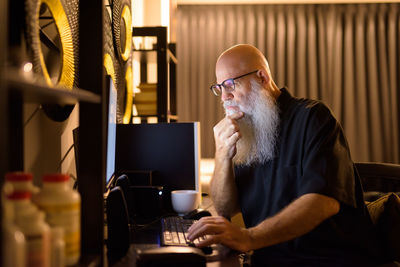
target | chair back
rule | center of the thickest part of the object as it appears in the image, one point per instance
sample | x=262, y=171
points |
x=379, y=177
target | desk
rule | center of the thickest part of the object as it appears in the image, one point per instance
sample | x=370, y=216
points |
x=129, y=260
x=148, y=238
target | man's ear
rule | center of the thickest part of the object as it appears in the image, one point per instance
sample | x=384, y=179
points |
x=264, y=76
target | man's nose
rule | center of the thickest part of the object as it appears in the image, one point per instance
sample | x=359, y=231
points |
x=226, y=95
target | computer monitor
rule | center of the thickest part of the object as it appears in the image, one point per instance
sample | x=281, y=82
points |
x=111, y=111
x=169, y=152
x=111, y=98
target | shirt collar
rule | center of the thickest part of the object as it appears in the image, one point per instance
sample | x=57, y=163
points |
x=284, y=99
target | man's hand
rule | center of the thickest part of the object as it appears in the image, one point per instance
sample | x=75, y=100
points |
x=226, y=135
x=223, y=187
x=219, y=230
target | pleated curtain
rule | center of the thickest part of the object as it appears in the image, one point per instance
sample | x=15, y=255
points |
x=346, y=55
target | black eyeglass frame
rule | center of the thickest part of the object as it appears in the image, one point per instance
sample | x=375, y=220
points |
x=221, y=85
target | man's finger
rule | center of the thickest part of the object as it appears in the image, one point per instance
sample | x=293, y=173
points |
x=232, y=140
x=205, y=229
x=213, y=239
x=200, y=230
x=204, y=220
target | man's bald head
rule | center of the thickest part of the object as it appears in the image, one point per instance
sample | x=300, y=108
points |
x=240, y=59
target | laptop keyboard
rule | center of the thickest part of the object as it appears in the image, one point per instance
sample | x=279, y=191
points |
x=174, y=231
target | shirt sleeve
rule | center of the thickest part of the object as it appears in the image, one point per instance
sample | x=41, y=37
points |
x=327, y=166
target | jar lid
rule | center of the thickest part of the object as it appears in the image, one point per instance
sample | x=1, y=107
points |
x=55, y=177
x=18, y=176
x=19, y=195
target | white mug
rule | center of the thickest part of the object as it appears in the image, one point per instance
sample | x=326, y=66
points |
x=184, y=201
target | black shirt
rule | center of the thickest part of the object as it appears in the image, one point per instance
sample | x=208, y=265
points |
x=312, y=156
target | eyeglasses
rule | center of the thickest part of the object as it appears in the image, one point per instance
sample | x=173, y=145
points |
x=228, y=84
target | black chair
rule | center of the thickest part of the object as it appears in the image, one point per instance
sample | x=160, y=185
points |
x=379, y=181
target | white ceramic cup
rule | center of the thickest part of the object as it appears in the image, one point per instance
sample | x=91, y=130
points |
x=184, y=201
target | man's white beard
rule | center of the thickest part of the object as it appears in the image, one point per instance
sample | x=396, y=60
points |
x=258, y=127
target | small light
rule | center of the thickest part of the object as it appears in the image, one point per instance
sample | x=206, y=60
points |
x=152, y=120
x=136, y=120
x=28, y=67
x=134, y=110
x=160, y=193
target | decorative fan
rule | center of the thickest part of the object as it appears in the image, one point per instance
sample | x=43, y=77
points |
x=111, y=64
x=52, y=40
x=121, y=60
x=122, y=28
x=128, y=96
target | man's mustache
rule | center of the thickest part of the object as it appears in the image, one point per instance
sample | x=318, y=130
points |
x=230, y=103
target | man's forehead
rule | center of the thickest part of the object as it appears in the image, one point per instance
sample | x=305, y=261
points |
x=228, y=71
x=230, y=66
x=224, y=75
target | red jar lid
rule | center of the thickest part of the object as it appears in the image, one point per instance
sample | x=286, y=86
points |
x=55, y=177
x=19, y=195
x=18, y=176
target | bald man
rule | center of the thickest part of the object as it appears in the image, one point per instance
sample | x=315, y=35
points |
x=285, y=164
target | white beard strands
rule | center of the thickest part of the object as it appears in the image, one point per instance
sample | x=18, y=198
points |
x=259, y=127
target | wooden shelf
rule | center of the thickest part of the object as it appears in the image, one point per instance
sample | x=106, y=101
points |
x=149, y=55
x=33, y=91
x=144, y=50
x=172, y=57
x=145, y=56
x=158, y=54
x=171, y=117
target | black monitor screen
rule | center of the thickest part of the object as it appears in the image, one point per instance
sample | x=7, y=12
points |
x=170, y=151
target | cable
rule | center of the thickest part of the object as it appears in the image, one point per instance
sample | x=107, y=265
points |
x=73, y=177
x=139, y=227
x=32, y=115
x=207, y=207
x=65, y=155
